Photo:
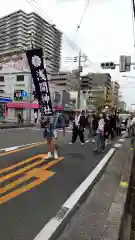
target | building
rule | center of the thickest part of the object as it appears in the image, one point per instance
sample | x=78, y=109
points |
x=101, y=88
x=86, y=83
x=115, y=93
x=17, y=89
x=122, y=106
x=21, y=30
x=64, y=79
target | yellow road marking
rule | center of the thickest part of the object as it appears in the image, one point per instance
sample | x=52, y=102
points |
x=124, y=184
x=22, y=170
x=21, y=149
x=41, y=173
x=22, y=163
x=25, y=188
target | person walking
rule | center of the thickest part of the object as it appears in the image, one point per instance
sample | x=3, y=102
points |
x=79, y=124
x=128, y=126
x=35, y=117
x=100, y=140
x=50, y=125
x=89, y=125
x=132, y=132
x=94, y=126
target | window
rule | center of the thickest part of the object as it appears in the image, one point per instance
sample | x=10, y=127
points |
x=20, y=78
x=2, y=91
x=1, y=78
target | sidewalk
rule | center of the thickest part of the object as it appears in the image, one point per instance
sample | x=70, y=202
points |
x=132, y=201
x=101, y=215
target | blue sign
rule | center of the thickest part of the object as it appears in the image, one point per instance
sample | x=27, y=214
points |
x=24, y=94
x=6, y=100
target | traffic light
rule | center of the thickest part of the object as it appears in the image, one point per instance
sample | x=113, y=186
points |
x=108, y=65
x=75, y=59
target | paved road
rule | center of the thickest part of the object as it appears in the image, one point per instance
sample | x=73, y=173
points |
x=33, y=189
x=17, y=137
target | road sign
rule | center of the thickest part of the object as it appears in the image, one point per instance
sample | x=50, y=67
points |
x=128, y=63
x=122, y=67
x=125, y=63
x=24, y=94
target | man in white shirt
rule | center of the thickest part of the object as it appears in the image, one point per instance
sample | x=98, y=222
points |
x=100, y=142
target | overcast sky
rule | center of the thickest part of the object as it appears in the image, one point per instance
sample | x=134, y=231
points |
x=106, y=31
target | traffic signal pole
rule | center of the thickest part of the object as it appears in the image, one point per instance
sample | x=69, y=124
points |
x=79, y=79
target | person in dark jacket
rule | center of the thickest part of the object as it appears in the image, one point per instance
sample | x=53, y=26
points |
x=94, y=126
x=79, y=123
x=113, y=126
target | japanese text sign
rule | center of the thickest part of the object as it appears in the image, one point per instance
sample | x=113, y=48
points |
x=39, y=75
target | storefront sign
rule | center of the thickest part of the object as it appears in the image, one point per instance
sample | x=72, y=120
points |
x=39, y=75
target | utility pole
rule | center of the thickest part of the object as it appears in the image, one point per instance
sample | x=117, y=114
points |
x=30, y=84
x=79, y=79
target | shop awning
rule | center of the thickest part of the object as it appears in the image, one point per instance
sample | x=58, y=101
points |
x=59, y=108
x=23, y=105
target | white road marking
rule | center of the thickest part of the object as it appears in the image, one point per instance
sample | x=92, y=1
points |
x=10, y=149
x=51, y=227
x=16, y=147
x=117, y=145
x=121, y=140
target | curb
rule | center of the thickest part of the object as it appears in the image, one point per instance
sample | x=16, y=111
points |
x=115, y=231
x=54, y=227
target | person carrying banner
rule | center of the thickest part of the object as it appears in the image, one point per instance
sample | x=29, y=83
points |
x=51, y=125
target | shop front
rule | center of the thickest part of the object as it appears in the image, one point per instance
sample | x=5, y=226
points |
x=24, y=108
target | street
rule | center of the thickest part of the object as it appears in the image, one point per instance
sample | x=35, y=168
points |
x=32, y=189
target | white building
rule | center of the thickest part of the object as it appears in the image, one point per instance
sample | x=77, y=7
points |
x=15, y=78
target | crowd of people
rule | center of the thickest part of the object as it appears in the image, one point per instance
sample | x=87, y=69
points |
x=102, y=128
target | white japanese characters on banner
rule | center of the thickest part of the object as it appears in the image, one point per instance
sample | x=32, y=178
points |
x=39, y=75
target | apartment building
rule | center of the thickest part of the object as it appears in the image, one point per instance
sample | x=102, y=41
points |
x=66, y=80
x=115, y=92
x=22, y=30
x=101, y=88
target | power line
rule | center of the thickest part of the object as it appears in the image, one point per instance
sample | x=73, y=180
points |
x=88, y=2
x=133, y=7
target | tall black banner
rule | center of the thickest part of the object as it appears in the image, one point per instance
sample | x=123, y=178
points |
x=39, y=75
